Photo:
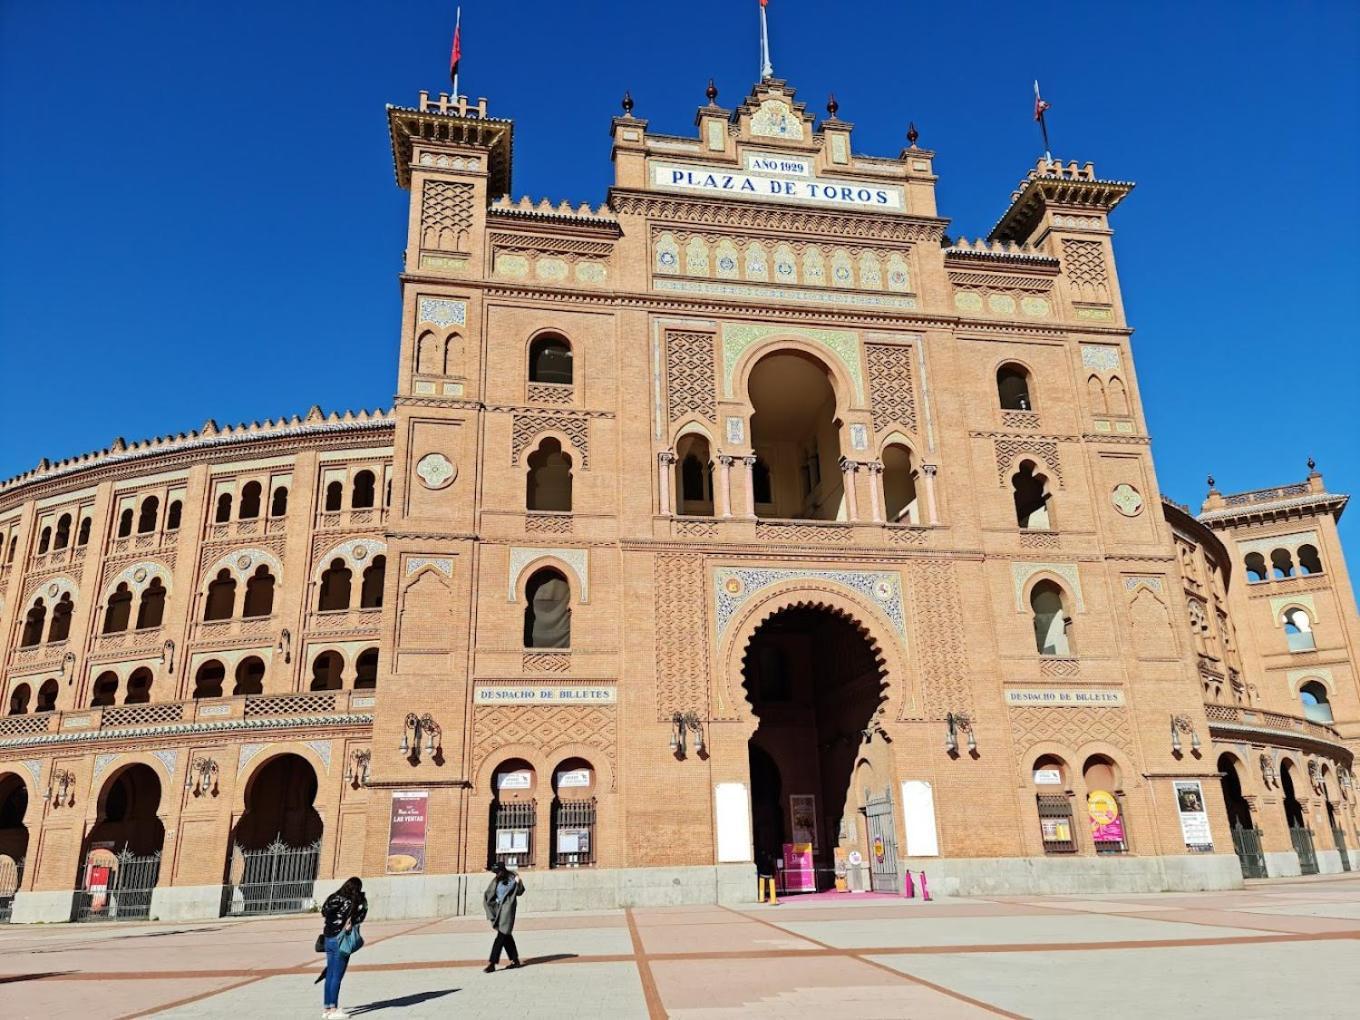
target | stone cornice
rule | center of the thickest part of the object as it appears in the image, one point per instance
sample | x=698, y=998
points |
x=191, y=729
x=1223, y=730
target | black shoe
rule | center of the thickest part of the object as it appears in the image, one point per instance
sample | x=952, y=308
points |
x=490, y=968
x=514, y=965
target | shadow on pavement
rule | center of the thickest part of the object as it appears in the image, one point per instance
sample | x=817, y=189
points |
x=10, y=979
x=414, y=999
x=553, y=958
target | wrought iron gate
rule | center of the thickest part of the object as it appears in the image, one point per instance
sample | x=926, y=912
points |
x=573, y=833
x=1339, y=837
x=11, y=874
x=276, y=879
x=1247, y=844
x=878, y=815
x=1303, y=846
x=127, y=894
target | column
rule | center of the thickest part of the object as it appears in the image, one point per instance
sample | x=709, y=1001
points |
x=848, y=467
x=725, y=484
x=749, y=462
x=666, y=479
x=876, y=489
x=928, y=473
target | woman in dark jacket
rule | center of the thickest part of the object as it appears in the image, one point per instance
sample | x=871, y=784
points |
x=499, y=901
x=343, y=909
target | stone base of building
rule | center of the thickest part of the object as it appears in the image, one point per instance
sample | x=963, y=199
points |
x=1283, y=864
x=186, y=902
x=1329, y=862
x=42, y=907
x=1030, y=876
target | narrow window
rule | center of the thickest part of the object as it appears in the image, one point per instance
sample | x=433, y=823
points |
x=899, y=486
x=371, y=591
x=1281, y=564
x=1298, y=630
x=118, y=610
x=172, y=516
x=366, y=670
x=362, y=496
x=249, y=676
x=278, y=506
x=1032, y=497
x=83, y=534
x=335, y=496
x=1012, y=388
x=47, y=697
x=259, y=593
x=33, y=624
x=223, y=508
x=61, y=619
x=1255, y=564
x=138, y=687
x=44, y=541
x=547, y=610
x=1315, y=704
x=335, y=585
x=250, y=502
x=1309, y=561
x=549, y=482
x=1051, y=622
x=146, y=519
x=19, y=699
x=327, y=672
x=208, y=679
x=63, y=538
x=151, y=609
x=550, y=360
x=125, y=522
x=760, y=482
x=221, y=600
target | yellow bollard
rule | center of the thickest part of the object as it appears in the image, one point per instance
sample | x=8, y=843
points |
x=774, y=898
x=760, y=888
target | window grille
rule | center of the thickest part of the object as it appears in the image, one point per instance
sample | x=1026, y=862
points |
x=1055, y=823
x=574, y=833
x=513, y=833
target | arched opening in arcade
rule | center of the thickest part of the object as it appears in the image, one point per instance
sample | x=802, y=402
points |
x=276, y=845
x=796, y=435
x=1245, y=836
x=122, y=858
x=821, y=771
x=1300, y=835
x=13, y=840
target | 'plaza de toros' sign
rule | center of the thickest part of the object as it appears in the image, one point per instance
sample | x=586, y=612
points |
x=1070, y=697
x=775, y=185
x=544, y=694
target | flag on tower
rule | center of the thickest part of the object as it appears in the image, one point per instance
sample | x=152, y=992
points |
x=1040, y=105
x=456, y=54
x=766, y=68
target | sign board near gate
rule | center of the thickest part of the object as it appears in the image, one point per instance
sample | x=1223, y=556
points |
x=406, y=834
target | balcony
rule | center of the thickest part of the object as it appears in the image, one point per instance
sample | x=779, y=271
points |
x=1286, y=729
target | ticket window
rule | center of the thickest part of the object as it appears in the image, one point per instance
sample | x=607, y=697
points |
x=573, y=814
x=513, y=812
x=1057, y=828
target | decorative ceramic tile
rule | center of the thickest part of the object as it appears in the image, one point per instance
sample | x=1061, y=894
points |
x=441, y=564
x=844, y=344
x=733, y=586
x=442, y=311
x=1022, y=572
x=1100, y=358
x=577, y=559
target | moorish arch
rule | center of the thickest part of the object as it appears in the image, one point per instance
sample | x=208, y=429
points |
x=279, y=799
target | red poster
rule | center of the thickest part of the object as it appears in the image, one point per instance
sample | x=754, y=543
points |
x=406, y=837
x=798, y=873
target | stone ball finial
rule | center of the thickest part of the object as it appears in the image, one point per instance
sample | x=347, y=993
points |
x=628, y=104
x=912, y=134
x=712, y=93
x=832, y=106
x=1210, y=480
x=1312, y=464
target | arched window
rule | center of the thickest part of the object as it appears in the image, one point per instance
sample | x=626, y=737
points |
x=549, y=482
x=429, y=354
x=335, y=584
x=118, y=612
x=1012, y=388
x=1309, y=561
x=223, y=515
x=138, y=687
x=550, y=360
x=1281, y=564
x=326, y=672
x=366, y=670
x=250, y=502
x=63, y=538
x=125, y=522
x=1255, y=564
x=221, y=600
x=1051, y=623
x=371, y=591
x=1104, y=805
x=208, y=679
x=13, y=548
x=1315, y=703
x=278, y=506
x=1298, y=630
x=44, y=541
x=151, y=609
x=173, y=514
x=899, y=486
x=335, y=496
x=33, y=624
x=760, y=483
x=60, y=629
x=1031, y=498
x=249, y=676
x=146, y=519
x=1095, y=393
x=696, y=476
x=547, y=610
x=19, y=699
x=47, y=696
x=83, y=533
x=1119, y=398
x=361, y=497
x=105, y=691
x=259, y=593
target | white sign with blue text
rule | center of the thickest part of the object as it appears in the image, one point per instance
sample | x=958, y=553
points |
x=778, y=186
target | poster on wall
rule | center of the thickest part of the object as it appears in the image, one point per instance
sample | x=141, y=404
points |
x=573, y=778
x=1194, y=818
x=521, y=780
x=798, y=873
x=1107, y=826
x=406, y=834
x=803, y=818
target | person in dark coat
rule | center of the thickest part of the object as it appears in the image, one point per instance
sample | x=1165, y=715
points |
x=499, y=900
x=343, y=909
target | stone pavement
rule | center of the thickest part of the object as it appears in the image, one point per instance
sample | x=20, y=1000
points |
x=1273, y=949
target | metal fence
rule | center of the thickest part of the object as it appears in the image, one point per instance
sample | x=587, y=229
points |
x=11, y=876
x=126, y=892
x=573, y=833
x=276, y=879
x=1339, y=837
x=1303, y=846
x=1247, y=845
x=512, y=833
x=878, y=818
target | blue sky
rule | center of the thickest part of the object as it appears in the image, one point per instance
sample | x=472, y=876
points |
x=198, y=216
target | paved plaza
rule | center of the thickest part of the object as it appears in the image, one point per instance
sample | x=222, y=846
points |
x=1257, y=952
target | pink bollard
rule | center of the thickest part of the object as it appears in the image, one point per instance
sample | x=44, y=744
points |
x=908, y=890
x=925, y=889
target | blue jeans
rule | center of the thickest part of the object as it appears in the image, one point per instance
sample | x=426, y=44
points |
x=336, y=962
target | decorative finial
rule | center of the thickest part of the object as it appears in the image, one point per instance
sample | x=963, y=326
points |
x=1210, y=480
x=832, y=106
x=628, y=104
x=712, y=93
x=1312, y=464
x=912, y=134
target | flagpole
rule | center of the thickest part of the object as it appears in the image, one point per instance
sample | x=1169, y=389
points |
x=457, y=23
x=766, y=68
x=1039, y=107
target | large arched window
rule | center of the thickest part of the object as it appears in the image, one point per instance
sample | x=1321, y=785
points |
x=361, y=497
x=327, y=670
x=19, y=699
x=1032, y=498
x=1309, y=561
x=548, y=486
x=47, y=696
x=118, y=612
x=278, y=506
x=1298, y=629
x=63, y=538
x=547, y=610
x=366, y=670
x=335, y=585
x=696, y=476
x=899, y=486
x=1052, y=625
x=62, y=612
x=249, y=676
x=250, y=501
x=151, y=609
x=1013, y=389
x=223, y=515
x=34, y=622
x=1315, y=703
x=550, y=360
x=371, y=591
x=221, y=600
x=259, y=593
x=105, y=691
x=1281, y=564
x=1255, y=565
x=208, y=679
x=335, y=496
x=146, y=518
x=138, y=687
x=795, y=430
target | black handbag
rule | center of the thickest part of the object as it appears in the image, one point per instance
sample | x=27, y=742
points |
x=321, y=943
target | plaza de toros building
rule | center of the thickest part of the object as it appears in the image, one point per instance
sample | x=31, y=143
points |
x=745, y=517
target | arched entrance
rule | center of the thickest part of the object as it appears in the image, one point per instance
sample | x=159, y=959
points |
x=276, y=845
x=1299, y=833
x=816, y=682
x=796, y=438
x=122, y=858
x=13, y=840
x=1246, y=837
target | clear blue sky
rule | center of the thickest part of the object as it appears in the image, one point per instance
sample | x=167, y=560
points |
x=198, y=216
